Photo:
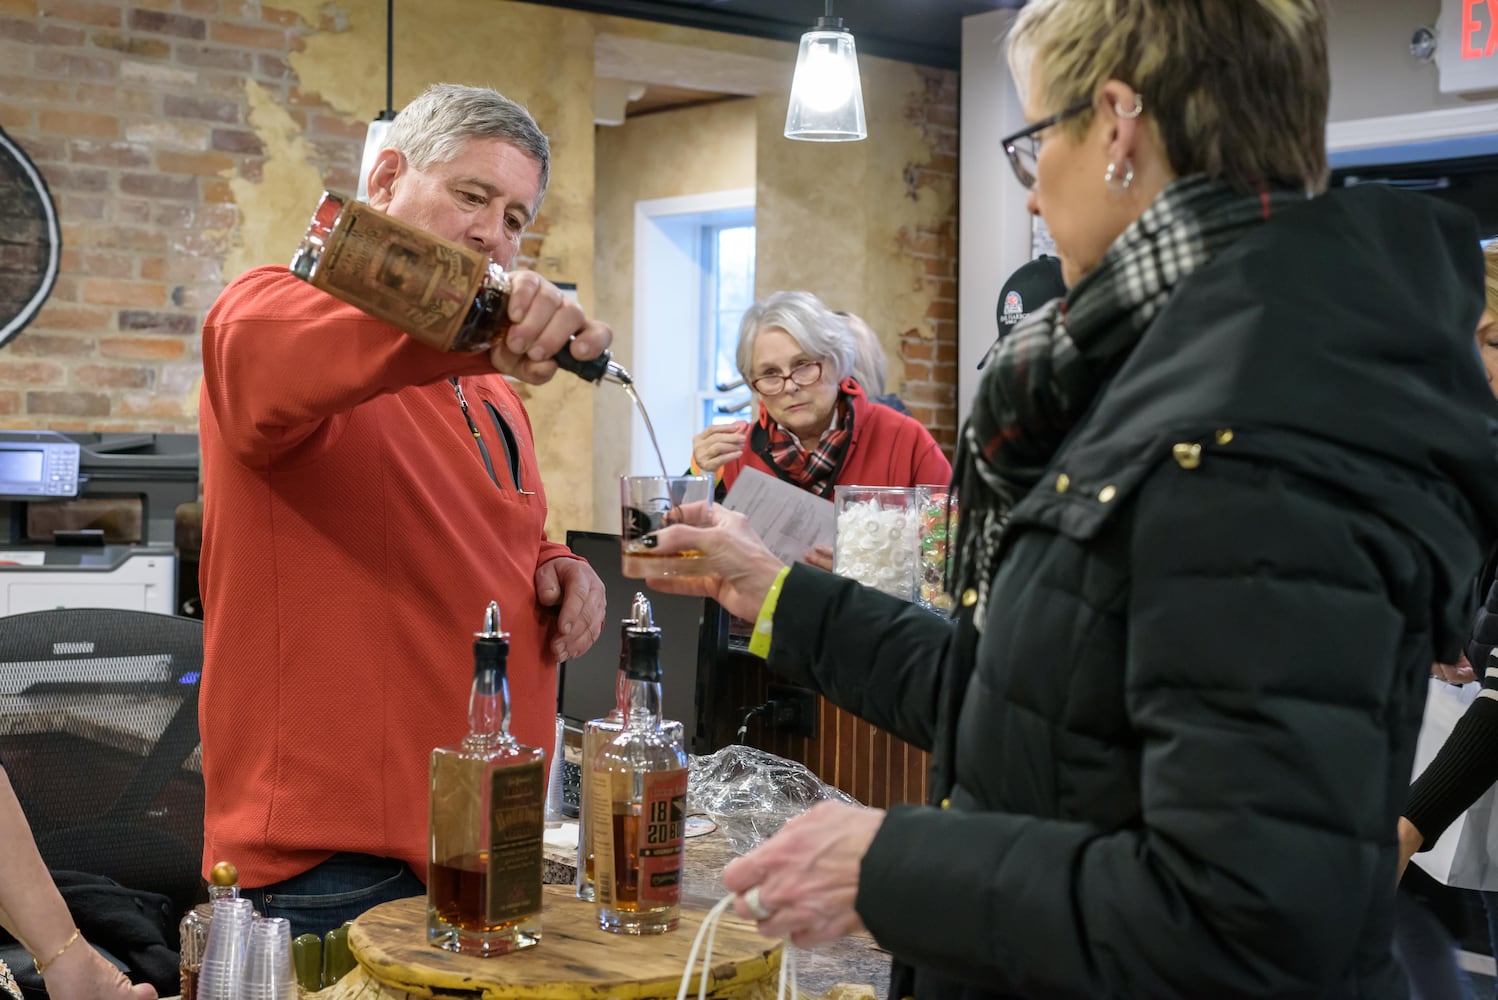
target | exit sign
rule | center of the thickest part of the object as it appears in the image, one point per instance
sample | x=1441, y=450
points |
x=1467, y=45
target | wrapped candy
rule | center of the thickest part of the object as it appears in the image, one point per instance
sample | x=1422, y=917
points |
x=877, y=531
x=936, y=535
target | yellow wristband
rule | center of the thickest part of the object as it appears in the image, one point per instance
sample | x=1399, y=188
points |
x=759, y=643
x=41, y=967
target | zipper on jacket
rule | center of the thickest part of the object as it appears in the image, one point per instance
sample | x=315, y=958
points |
x=512, y=445
x=483, y=450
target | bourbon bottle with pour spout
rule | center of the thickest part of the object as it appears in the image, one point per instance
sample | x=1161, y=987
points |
x=223, y=883
x=638, y=800
x=595, y=734
x=488, y=813
x=442, y=293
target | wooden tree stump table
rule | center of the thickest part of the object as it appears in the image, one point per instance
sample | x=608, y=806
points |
x=575, y=959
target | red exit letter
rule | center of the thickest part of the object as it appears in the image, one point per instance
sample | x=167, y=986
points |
x=1470, y=27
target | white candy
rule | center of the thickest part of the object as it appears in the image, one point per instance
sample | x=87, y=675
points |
x=877, y=546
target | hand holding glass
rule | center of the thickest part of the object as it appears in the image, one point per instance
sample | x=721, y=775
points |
x=649, y=503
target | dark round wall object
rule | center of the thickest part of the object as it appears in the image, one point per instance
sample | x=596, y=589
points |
x=30, y=240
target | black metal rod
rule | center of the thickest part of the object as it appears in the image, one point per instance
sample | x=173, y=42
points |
x=390, y=55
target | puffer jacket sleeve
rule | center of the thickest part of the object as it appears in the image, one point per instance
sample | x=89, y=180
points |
x=875, y=655
x=1270, y=660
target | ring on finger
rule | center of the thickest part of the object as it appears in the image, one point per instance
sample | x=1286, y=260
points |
x=754, y=906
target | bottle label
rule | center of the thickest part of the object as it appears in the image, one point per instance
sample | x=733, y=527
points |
x=661, y=839
x=600, y=820
x=400, y=273
x=517, y=818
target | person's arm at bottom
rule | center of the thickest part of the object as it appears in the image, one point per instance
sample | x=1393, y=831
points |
x=33, y=911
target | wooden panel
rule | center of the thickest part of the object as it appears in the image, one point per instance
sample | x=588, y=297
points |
x=868, y=763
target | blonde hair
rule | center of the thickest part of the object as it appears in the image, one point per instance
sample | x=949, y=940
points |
x=1235, y=89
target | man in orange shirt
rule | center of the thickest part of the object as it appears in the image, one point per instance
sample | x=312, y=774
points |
x=365, y=497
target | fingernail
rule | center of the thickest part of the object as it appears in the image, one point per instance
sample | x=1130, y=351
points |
x=515, y=344
x=650, y=541
x=566, y=628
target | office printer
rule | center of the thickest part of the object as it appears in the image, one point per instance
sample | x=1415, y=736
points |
x=89, y=519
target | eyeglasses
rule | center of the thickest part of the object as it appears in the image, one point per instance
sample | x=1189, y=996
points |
x=1023, y=147
x=774, y=385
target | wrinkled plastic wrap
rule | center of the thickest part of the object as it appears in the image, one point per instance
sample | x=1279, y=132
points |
x=751, y=793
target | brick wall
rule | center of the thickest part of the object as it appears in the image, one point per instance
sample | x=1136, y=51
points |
x=930, y=353
x=136, y=116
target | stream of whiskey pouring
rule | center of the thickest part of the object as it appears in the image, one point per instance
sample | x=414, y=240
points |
x=710, y=928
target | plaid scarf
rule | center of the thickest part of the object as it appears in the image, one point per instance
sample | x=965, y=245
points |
x=813, y=470
x=1039, y=381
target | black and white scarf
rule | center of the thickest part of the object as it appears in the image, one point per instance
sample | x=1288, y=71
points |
x=1040, y=379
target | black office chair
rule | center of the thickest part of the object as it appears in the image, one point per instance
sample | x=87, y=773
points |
x=99, y=736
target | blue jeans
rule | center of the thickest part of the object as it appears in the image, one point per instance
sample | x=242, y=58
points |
x=339, y=889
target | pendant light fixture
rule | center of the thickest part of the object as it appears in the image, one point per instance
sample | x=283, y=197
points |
x=826, y=94
x=374, y=139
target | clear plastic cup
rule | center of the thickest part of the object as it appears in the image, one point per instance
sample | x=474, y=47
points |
x=268, y=973
x=222, y=972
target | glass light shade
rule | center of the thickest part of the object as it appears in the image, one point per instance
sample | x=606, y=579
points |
x=826, y=94
x=374, y=141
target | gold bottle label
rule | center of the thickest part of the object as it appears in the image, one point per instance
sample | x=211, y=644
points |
x=517, y=819
x=601, y=823
x=404, y=275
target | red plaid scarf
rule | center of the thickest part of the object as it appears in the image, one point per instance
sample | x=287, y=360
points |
x=814, y=470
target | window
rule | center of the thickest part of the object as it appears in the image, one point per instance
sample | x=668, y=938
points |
x=728, y=290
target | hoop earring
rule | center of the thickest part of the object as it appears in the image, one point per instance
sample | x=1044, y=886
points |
x=1116, y=184
x=1138, y=108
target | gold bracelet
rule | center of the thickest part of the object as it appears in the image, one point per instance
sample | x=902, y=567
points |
x=41, y=967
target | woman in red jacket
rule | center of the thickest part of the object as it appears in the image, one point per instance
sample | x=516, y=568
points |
x=816, y=428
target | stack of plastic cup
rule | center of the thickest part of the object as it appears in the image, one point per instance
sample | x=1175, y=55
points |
x=222, y=972
x=554, y=782
x=268, y=974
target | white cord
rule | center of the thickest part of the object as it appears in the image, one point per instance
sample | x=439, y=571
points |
x=709, y=928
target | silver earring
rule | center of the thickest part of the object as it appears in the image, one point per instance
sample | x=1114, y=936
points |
x=1135, y=113
x=1115, y=183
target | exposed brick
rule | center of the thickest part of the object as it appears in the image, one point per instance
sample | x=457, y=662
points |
x=159, y=185
x=61, y=178
x=108, y=154
x=275, y=15
x=10, y=402
x=233, y=140
x=45, y=149
x=31, y=373
x=75, y=67
x=73, y=404
x=200, y=164
x=197, y=297
x=163, y=23
x=248, y=37
x=98, y=14
x=157, y=322
x=919, y=350
x=917, y=371
x=132, y=238
x=272, y=67
x=179, y=135
x=155, y=74
x=215, y=216
x=341, y=128
x=35, y=89
x=113, y=292
x=108, y=265
x=12, y=117
x=64, y=316
x=79, y=123
x=207, y=109
x=81, y=207
x=64, y=289
x=37, y=32
x=172, y=215
x=136, y=404
x=114, y=376
x=117, y=98
x=342, y=178
x=177, y=381
x=199, y=6
x=143, y=48
x=941, y=310
x=216, y=57
x=24, y=9
x=42, y=345
x=143, y=348
x=946, y=352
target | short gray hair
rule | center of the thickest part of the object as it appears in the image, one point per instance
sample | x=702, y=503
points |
x=435, y=126
x=822, y=333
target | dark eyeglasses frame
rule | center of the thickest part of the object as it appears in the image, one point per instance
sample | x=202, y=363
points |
x=788, y=377
x=1022, y=172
